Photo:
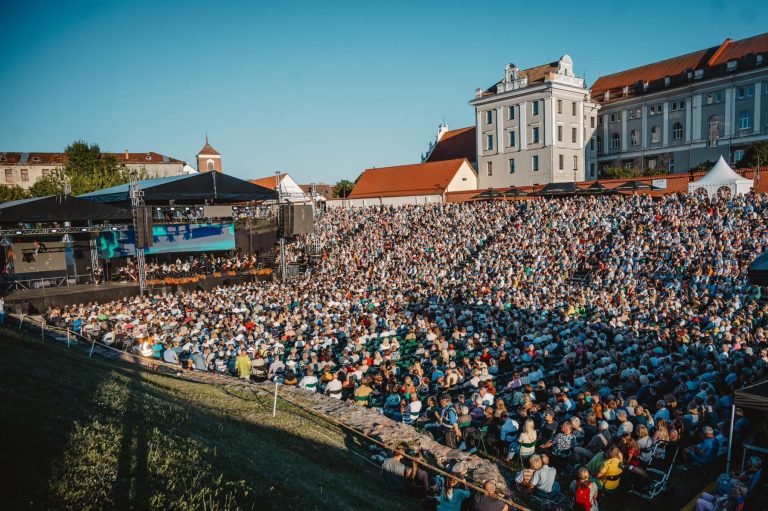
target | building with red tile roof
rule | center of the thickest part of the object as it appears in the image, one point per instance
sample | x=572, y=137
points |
x=23, y=169
x=412, y=184
x=453, y=145
x=685, y=110
x=289, y=189
x=532, y=127
x=208, y=158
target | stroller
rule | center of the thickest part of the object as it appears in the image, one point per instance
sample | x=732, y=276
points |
x=659, y=471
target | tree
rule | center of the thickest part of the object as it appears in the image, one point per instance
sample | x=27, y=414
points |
x=658, y=171
x=757, y=154
x=11, y=193
x=88, y=170
x=343, y=188
x=51, y=184
x=616, y=173
x=703, y=166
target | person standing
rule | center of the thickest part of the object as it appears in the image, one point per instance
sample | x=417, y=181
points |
x=449, y=420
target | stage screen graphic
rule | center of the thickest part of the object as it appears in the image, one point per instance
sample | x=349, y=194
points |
x=168, y=238
x=40, y=256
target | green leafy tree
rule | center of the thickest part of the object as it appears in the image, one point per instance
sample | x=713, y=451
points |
x=11, y=193
x=88, y=169
x=757, y=154
x=704, y=166
x=343, y=188
x=51, y=184
x=616, y=173
x=658, y=171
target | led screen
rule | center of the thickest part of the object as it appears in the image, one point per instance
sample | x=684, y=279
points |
x=168, y=238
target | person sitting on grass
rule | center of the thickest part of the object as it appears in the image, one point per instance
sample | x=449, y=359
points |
x=393, y=470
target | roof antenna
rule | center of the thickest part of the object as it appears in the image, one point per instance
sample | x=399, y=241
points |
x=206, y=137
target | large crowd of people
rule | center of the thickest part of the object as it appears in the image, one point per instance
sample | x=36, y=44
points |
x=575, y=338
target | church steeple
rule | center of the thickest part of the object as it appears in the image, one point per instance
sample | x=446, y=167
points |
x=208, y=159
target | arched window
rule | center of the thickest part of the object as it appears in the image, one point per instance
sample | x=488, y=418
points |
x=210, y=165
x=655, y=135
x=745, y=120
x=615, y=141
x=677, y=131
x=634, y=138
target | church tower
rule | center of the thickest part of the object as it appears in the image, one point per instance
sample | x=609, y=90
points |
x=208, y=159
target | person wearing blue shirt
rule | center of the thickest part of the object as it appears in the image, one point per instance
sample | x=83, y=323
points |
x=449, y=420
x=705, y=451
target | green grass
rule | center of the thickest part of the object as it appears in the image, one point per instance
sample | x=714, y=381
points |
x=81, y=433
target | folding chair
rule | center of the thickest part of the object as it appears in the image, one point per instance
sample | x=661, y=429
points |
x=660, y=473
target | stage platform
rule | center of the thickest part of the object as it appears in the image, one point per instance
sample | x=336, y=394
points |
x=33, y=301
x=37, y=301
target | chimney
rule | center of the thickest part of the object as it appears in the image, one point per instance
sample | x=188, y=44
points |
x=126, y=154
x=441, y=130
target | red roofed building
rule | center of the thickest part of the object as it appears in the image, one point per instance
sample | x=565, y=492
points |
x=419, y=183
x=533, y=127
x=679, y=112
x=208, y=158
x=289, y=189
x=23, y=169
x=453, y=145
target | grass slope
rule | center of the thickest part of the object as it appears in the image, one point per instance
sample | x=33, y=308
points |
x=84, y=433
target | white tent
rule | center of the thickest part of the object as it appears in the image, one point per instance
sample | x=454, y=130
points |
x=721, y=175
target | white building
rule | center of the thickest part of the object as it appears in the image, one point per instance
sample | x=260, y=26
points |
x=289, y=189
x=23, y=169
x=419, y=183
x=533, y=127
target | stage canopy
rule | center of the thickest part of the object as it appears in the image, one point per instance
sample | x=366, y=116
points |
x=199, y=188
x=634, y=186
x=489, y=194
x=59, y=208
x=754, y=397
x=721, y=176
x=553, y=189
x=596, y=189
x=757, y=273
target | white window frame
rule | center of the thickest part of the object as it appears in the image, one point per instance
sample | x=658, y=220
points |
x=489, y=142
x=745, y=120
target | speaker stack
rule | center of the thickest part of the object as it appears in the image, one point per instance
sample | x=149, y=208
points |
x=295, y=219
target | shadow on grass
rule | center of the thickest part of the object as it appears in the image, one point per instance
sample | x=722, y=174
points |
x=91, y=434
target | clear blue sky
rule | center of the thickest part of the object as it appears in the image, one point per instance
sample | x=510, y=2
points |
x=321, y=90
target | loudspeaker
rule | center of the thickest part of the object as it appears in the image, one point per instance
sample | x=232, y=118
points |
x=144, y=227
x=295, y=219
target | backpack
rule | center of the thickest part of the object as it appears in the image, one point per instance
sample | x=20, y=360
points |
x=582, y=500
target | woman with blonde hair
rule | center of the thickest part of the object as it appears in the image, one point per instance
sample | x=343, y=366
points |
x=644, y=443
x=527, y=439
x=525, y=476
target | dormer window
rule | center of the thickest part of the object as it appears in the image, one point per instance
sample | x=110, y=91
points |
x=35, y=158
x=148, y=157
x=732, y=65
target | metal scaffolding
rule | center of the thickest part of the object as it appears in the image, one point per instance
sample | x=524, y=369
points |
x=137, y=202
